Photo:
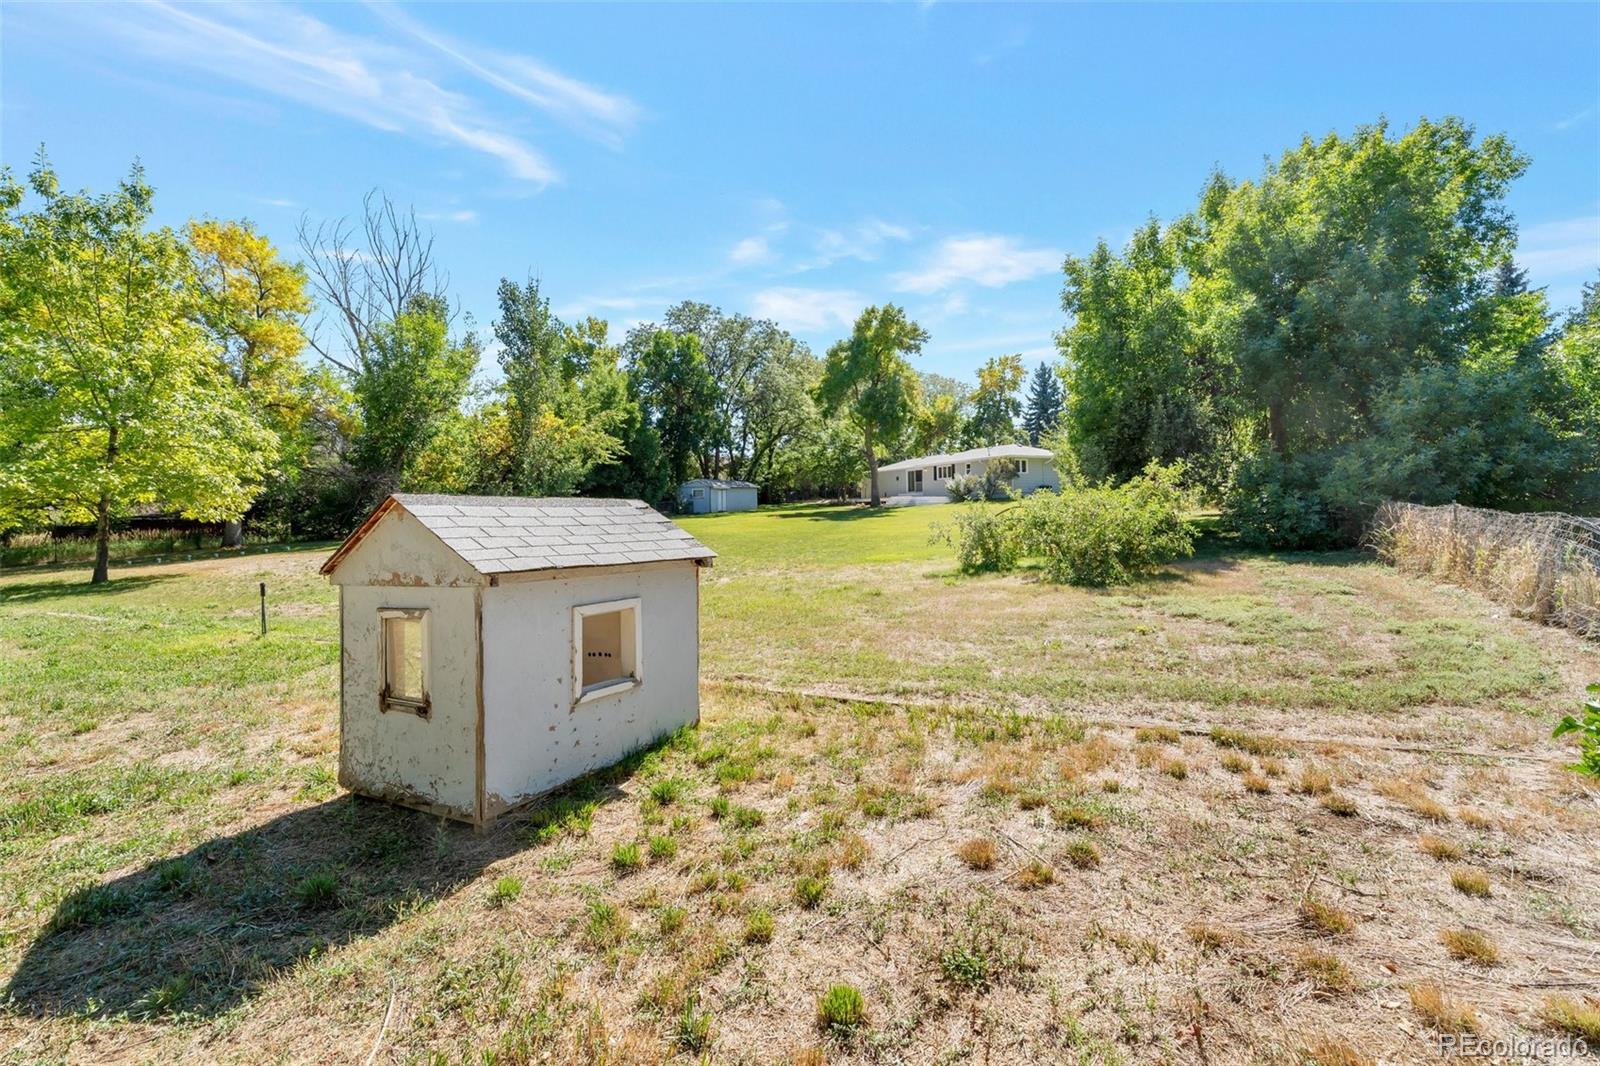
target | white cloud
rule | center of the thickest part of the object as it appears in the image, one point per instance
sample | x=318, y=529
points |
x=807, y=310
x=594, y=112
x=283, y=51
x=1566, y=246
x=1577, y=118
x=864, y=241
x=981, y=259
x=750, y=250
x=463, y=215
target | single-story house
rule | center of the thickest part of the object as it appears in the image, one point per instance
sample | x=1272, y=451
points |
x=706, y=495
x=493, y=648
x=928, y=476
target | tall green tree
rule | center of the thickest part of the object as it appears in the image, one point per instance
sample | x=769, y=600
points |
x=868, y=378
x=565, y=400
x=252, y=303
x=678, y=396
x=409, y=389
x=1045, y=405
x=995, y=404
x=111, y=393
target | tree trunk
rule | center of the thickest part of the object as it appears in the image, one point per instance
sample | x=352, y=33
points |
x=102, y=520
x=233, y=533
x=102, y=541
x=872, y=470
x=1276, y=428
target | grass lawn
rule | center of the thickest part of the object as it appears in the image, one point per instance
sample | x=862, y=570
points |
x=1259, y=809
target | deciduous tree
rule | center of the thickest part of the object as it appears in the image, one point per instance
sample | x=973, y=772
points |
x=869, y=379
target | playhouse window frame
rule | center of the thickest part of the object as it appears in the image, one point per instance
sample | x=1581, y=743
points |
x=421, y=706
x=631, y=634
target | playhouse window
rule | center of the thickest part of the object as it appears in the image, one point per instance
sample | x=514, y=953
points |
x=403, y=650
x=606, y=651
x=1022, y=466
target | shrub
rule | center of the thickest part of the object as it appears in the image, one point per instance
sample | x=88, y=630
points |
x=985, y=540
x=1588, y=730
x=1105, y=535
x=841, y=1010
x=1276, y=503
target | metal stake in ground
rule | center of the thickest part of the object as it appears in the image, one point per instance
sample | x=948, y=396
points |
x=263, y=608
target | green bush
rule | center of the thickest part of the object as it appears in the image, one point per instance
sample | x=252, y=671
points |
x=1276, y=503
x=985, y=540
x=1104, y=534
x=1588, y=728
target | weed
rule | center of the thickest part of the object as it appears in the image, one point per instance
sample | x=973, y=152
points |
x=1256, y=784
x=1338, y=803
x=1469, y=881
x=841, y=1011
x=720, y=806
x=90, y=906
x=1328, y=1051
x=670, y=919
x=1176, y=769
x=605, y=926
x=1156, y=734
x=1036, y=874
x=692, y=1032
x=318, y=891
x=1208, y=936
x=1082, y=853
x=1235, y=763
x=963, y=965
x=746, y=817
x=1441, y=1011
x=668, y=790
x=1326, y=973
x=1439, y=848
x=853, y=851
x=1475, y=818
x=1314, y=782
x=505, y=890
x=1576, y=1018
x=1250, y=742
x=168, y=996
x=808, y=891
x=626, y=857
x=662, y=848
x=758, y=926
x=1326, y=918
x=1470, y=946
x=978, y=853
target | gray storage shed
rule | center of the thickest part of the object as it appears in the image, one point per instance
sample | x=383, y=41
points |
x=709, y=495
x=493, y=648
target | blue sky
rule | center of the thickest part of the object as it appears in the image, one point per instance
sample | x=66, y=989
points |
x=795, y=162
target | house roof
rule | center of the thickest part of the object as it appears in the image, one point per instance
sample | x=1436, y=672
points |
x=998, y=451
x=513, y=534
x=719, y=483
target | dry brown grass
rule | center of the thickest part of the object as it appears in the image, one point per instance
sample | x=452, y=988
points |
x=1314, y=782
x=1256, y=784
x=1475, y=818
x=978, y=853
x=1035, y=874
x=1326, y=918
x=1414, y=797
x=1338, y=803
x=1209, y=936
x=1327, y=973
x=1442, y=1011
x=1470, y=945
x=1436, y=847
x=1470, y=881
x=1573, y=1016
x=1331, y=1051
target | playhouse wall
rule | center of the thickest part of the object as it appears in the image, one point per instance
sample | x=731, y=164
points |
x=535, y=738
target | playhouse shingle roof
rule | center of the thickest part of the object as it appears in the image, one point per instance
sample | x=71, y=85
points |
x=511, y=534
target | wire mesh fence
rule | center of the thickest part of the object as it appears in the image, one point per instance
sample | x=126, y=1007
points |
x=1542, y=566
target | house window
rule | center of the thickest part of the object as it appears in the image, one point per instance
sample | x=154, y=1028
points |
x=1022, y=466
x=969, y=468
x=606, y=655
x=403, y=653
x=944, y=473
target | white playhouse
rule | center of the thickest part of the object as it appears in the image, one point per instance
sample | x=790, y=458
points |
x=496, y=647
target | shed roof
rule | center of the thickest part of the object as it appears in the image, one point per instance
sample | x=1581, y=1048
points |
x=513, y=534
x=998, y=451
x=719, y=483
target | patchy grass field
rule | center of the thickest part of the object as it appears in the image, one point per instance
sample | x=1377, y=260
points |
x=1271, y=810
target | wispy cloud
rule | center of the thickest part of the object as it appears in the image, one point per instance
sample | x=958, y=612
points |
x=981, y=259
x=1577, y=118
x=807, y=310
x=1566, y=246
x=462, y=215
x=389, y=85
x=605, y=116
x=1013, y=39
x=864, y=241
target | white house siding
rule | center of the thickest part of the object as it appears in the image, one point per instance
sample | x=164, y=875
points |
x=1041, y=475
x=535, y=738
x=425, y=762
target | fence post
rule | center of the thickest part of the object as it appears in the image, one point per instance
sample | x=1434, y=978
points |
x=263, y=608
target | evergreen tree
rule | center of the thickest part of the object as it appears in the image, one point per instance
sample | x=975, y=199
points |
x=1510, y=279
x=1044, y=404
